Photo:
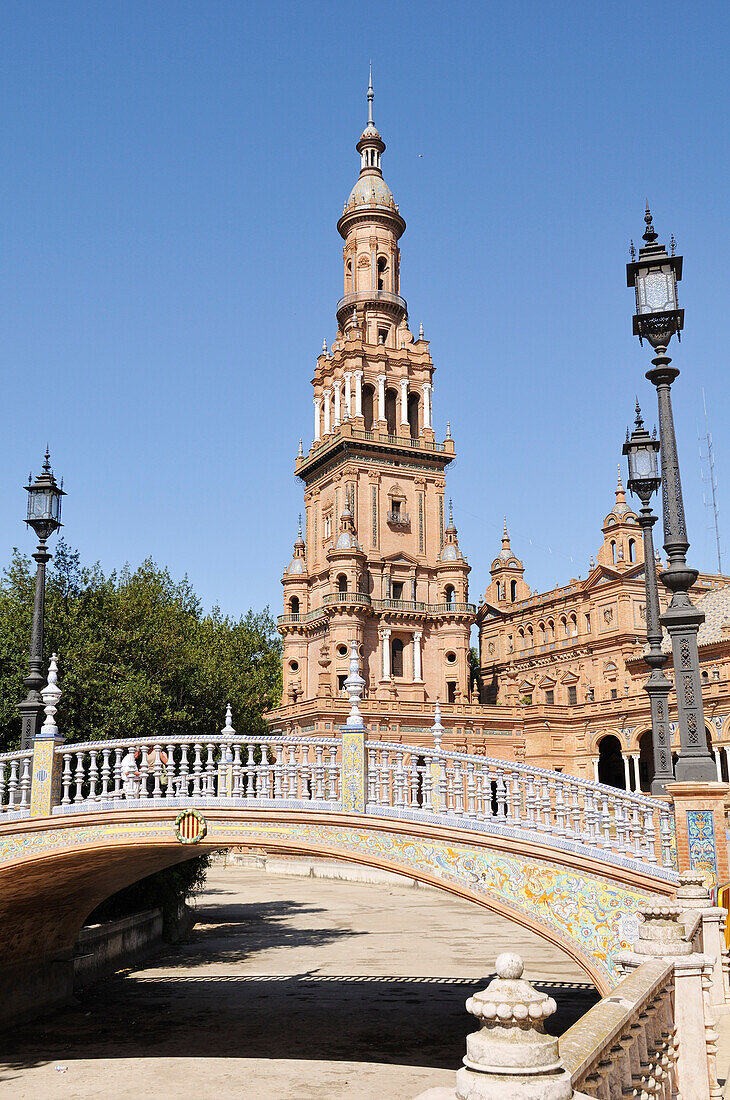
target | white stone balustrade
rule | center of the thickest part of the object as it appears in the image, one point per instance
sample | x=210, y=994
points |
x=478, y=789
x=625, y=1046
x=270, y=769
x=15, y=781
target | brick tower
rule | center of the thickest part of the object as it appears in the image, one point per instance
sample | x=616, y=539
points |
x=381, y=562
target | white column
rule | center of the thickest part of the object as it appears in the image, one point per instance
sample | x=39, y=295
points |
x=417, y=635
x=427, y=405
x=326, y=400
x=358, y=393
x=718, y=765
x=381, y=397
x=348, y=395
x=404, y=401
x=385, y=649
x=627, y=776
x=336, y=386
x=317, y=405
x=637, y=780
x=723, y=750
x=595, y=768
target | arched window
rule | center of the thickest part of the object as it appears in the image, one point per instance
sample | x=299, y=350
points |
x=396, y=657
x=521, y=635
x=564, y=624
x=632, y=550
x=551, y=630
x=348, y=280
x=294, y=605
x=342, y=583
x=368, y=399
x=541, y=633
x=382, y=268
x=530, y=637
x=391, y=401
x=513, y=590
x=573, y=626
x=413, y=414
x=613, y=551
x=450, y=595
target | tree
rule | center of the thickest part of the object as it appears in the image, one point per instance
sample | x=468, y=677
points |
x=138, y=656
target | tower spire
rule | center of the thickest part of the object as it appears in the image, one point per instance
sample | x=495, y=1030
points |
x=371, y=97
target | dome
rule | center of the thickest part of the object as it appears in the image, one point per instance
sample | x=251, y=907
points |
x=297, y=566
x=450, y=552
x=505, y=554
x=371, y=131
x=346, y=541
x=371, y=189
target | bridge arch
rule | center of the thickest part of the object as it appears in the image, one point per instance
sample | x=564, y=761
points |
x=55, y=871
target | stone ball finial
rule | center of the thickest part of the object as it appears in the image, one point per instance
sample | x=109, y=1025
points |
x=509, y=965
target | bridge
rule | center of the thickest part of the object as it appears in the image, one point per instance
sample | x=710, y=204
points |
x=570, y=859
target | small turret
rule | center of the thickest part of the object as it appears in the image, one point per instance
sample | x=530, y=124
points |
x=508, y=573
x=622, y=543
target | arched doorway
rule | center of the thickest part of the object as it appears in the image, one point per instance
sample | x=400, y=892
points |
x=611, y=763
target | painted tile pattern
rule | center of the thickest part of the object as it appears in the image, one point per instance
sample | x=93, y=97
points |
x=701, y=838
x=353, y=771
x=583, y=910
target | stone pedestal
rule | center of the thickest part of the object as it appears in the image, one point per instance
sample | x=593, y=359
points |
x=511, y=1057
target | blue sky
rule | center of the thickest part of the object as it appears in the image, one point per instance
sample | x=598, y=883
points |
x=169, y=262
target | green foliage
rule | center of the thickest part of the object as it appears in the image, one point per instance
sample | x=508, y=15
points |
x=165, y=890
x=137, y=654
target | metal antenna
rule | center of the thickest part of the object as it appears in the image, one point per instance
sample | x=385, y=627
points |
x=712, y=479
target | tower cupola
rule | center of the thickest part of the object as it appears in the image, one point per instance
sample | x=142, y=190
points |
x=371, y=226
x=622, y=542
x=508, y=572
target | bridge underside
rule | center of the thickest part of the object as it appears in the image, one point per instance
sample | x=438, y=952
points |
x=55, y=871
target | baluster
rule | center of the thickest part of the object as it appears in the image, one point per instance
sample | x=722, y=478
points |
x=559, y=826
x=605, y=839
x=144, y=770
x=530, y=801
x=105, y=772
x=428, y=785
x=117, y=768
x=170, y=771
x=25, y=784
x=399, y=780
x=210, y=769
x=415, y=774
x=13, y=782
x=306, y=773
x=501, y=794
x=66, y=781
x=443, y=785
x=621, y=812
x=450, y=799
x=480, y=795
x=575, y=814
x=333, y=791
x=470, y=789
x=236, y=786
x=3, y=784
x=649, y=835
x=79, y=777
x=93, y=774
x=508, y=798
x=319, y=773
x=384, y=792
x=155, y=771
x=516, y=799
x=458, y=789
x=665, y=833
x=546, y=806
x=183, y=776
x=293, y=772
x=197, y=769
x=372, y=778
x=278, y=771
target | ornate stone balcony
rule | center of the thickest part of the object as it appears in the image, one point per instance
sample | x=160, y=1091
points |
x=382, y=299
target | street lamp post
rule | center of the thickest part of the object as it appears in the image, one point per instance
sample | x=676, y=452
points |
x=641, y=450
x=44, y=516
x=658, y=317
